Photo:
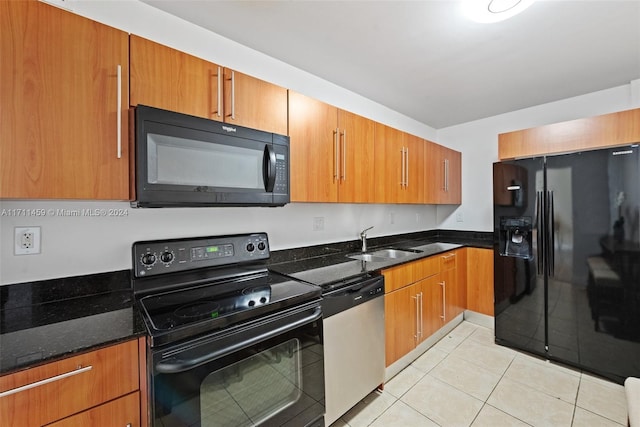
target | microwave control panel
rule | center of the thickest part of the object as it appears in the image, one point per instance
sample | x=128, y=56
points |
x=168, y=256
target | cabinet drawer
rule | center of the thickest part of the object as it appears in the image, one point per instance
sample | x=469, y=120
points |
x=447, y=261
x=406, y=274
x=50, y=392
x=122, y=412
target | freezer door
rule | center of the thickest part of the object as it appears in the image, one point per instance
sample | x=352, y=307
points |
x=593, y=260
x=518, y=254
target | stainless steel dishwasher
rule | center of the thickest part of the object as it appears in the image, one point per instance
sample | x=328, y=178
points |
x=353, y=323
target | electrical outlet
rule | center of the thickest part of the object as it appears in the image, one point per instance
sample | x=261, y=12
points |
x=459, y=216
x=318, y=223
x=27, y=241
x=417, y=218
x=392, y=218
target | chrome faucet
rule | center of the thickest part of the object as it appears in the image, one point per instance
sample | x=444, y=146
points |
x=363, y=237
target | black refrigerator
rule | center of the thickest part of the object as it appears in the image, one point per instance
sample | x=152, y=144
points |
x=567, y=258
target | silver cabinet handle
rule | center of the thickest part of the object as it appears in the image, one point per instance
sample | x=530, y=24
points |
x=421, y=314
x=233, y=94
x=46, y=381
x=344, y=155
x=219, y=93
x=119, y=112
x=446, y=175
x=444, y=292
x=336, y=158
x=402, y=167
x=417, y=334
x=407, y=168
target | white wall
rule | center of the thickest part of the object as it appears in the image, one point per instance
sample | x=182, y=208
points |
x=478, y=142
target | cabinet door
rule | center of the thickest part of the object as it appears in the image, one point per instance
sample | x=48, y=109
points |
x=414, y=164
x=254, y=103
x=390, y=160
x=480, y=280
x=68, y=386
x=433, y=304
x=122, y=412
x=314, y=150
x=167, y=78
x=356, y=159
x=443, y=169
x=401, y=322
x=64, y=134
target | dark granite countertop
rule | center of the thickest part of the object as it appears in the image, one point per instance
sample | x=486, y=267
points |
x=46, y=320
x=324, y=264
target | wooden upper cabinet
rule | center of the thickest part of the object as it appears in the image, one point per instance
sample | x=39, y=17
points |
x=254, y=103
x=356, y=158
x=64, y=135
x=331, y=153
x=443, y=175
x=167, y=78
x=608, y=130
x=398, y=166
x=313, y=149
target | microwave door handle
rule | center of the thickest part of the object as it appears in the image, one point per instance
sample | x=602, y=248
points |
x=269, y=168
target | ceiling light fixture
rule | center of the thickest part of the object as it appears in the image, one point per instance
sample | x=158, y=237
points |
x=486, y=11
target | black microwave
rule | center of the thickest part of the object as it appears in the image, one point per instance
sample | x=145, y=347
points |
x=182, y=160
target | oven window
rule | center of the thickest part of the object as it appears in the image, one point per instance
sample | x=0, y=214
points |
x=209, y=164
x=252, y=390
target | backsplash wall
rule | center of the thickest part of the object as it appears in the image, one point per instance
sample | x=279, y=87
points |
x=75, y=242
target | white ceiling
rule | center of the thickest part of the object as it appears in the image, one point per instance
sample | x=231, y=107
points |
x=424, y=59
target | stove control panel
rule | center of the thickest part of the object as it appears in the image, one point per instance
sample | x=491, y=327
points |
x=168, y=256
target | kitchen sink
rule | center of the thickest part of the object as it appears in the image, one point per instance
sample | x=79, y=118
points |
x=369, y=257
x=384, y=254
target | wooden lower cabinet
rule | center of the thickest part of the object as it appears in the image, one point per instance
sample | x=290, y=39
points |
x=480, y=280
x=122, y=412
x=421, y=297
x=73, y=385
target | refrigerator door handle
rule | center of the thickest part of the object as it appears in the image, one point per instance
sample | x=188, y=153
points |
x=552, y=243
x=539, y=232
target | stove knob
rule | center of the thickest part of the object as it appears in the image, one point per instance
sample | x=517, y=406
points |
x=166, y=257
x=263, y=300
x=250, y=247
x=252, y=303
x=148, y=259
x=261, y=246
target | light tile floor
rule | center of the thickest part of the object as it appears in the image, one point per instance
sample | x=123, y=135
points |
x=468, y=380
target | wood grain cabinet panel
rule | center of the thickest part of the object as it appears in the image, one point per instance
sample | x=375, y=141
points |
x=332, y=153
x=420, y=298
x=399, y=166
x=122, y=412
x=254, y=103
x=167, y=78
x=608, y=130
x=443, y=175
x=69, y=386
x=64, y=134
x=480, y=280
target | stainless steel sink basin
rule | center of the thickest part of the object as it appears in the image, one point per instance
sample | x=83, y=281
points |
x=393, y=253
x=367, y=257
x=384, y=254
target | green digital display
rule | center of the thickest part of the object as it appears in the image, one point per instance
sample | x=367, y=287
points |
x=213, y=248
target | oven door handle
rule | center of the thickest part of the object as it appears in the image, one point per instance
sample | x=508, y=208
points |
x=175, y=365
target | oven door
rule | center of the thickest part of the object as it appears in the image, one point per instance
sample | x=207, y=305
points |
x=266, y=372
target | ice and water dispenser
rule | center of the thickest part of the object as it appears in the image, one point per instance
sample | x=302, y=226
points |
x=515, y=237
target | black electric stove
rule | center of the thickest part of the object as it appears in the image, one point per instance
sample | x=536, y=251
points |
x=190, y=287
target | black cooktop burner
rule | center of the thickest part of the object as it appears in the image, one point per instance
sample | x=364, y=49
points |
x=182, y=313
